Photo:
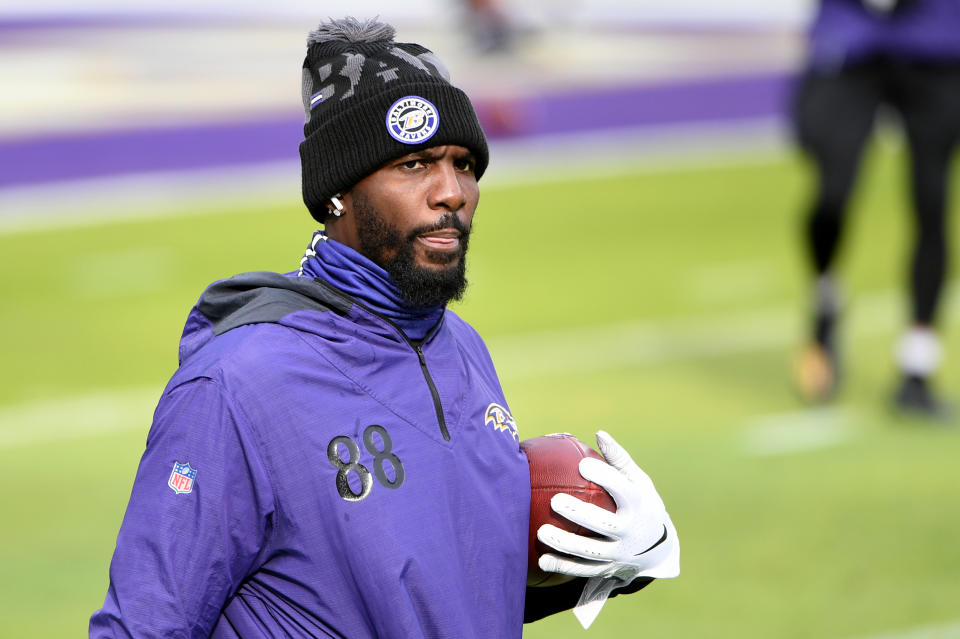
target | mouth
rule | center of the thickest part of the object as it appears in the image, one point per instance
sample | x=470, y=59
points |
x=447, y=239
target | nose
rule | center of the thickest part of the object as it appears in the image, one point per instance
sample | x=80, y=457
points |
x=447, y=192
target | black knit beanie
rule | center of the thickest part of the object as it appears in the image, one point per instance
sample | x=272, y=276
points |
x=369, y=100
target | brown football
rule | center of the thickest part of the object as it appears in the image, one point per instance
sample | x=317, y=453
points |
x=554, y=468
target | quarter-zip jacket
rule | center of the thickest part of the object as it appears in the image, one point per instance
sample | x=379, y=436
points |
x=312, y=471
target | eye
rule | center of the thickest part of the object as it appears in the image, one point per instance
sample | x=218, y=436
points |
x=412, y=164
x=466, y=164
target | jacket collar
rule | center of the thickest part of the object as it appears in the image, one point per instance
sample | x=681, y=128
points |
x=348, y=271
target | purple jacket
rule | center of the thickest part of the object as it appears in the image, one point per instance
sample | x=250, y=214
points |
x=846, y=32
x=312, y=472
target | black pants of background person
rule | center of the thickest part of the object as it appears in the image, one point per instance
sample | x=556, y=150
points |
x=834, y=115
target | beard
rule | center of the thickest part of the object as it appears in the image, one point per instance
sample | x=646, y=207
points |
x=386, y=246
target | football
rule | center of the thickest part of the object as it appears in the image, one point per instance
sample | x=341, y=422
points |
x=554, y=461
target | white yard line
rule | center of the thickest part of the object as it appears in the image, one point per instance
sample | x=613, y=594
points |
x=800, y=431
x=87, y=415
x=949, y=630
x=593, y=348
x=519, y=357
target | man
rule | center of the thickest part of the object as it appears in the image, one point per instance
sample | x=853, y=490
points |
x=903, y=54
x=322, y=463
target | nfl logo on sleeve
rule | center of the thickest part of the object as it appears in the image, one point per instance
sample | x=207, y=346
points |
x=182, y=477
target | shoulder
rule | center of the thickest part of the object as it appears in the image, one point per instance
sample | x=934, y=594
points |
x=250, y=364
x=470, y=341
x=460, y=327
x=243, y=350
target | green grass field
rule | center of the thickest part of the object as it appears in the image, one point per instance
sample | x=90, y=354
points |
x=663, y=306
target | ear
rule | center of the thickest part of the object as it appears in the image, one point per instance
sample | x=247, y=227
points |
x=344, y=228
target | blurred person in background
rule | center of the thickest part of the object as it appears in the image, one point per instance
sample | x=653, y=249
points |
x=489, y=25
x=864, y=55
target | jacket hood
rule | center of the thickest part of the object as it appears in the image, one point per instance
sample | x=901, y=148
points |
x=254, y=298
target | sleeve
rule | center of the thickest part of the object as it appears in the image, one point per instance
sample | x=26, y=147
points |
x=198, y=519
x=543, y=602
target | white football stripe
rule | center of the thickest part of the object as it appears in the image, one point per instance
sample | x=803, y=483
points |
x=78, y=416
x=593, y=348
x=800, y=431
x=950, y=630
x=582, y=351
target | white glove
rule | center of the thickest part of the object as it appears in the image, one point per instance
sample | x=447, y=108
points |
x=641, y=539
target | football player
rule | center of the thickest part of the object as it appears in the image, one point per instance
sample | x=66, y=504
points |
x=335, y=456
x=865, y=56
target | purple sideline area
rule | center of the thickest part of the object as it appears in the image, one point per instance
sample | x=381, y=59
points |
x=31, y=161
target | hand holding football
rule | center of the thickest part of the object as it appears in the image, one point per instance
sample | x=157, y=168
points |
x=554, y=468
